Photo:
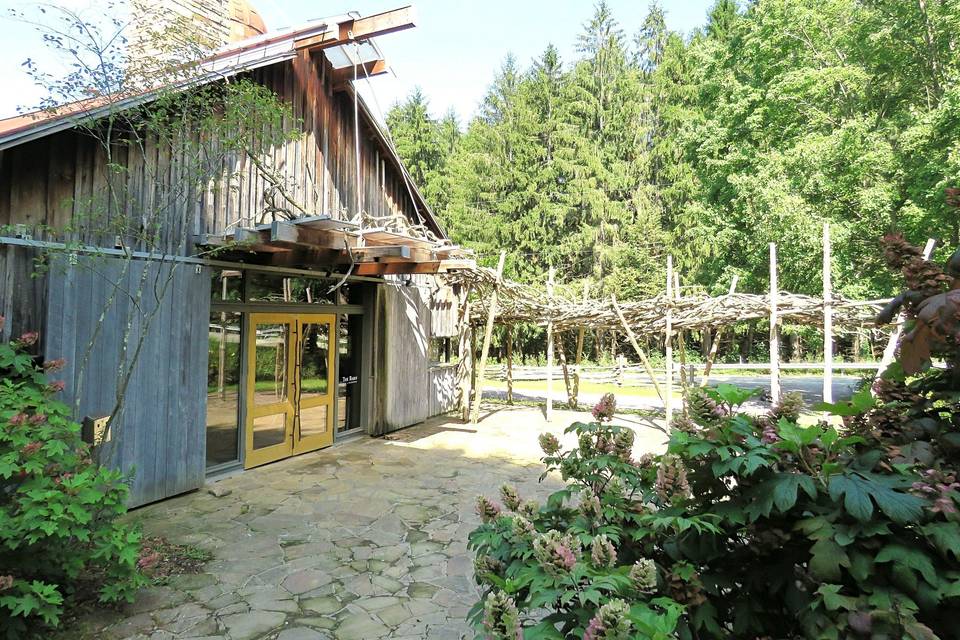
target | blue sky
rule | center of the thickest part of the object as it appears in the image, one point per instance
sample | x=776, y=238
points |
x=452, y=54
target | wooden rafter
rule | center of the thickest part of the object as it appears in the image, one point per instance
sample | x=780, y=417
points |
x=360, y=29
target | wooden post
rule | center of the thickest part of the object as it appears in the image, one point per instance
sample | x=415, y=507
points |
x=549, y=408
x=465, y=365
x=636, y=347
x=827, y=317
x=774, y=328
x=890, y=351
x=715, y=345
x=668, y=344
x=487, y=337
x=681, y=343
x=473, y=375
x=510, y=364
x=574, y=397
x=567, y=379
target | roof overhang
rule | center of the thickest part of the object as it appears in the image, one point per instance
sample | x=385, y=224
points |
x=229, y=61
x=313, y=240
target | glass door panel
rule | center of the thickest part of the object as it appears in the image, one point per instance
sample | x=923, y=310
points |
x=270, y=388
x=314, y=382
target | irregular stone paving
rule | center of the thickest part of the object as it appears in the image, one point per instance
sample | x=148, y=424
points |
x=363, y=540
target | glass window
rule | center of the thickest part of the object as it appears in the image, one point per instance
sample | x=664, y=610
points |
x=226, y=285
x=271, y=287
x=223, y=389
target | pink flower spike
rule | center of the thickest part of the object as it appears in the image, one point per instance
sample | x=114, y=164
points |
x=52, y=366
x=28, y=338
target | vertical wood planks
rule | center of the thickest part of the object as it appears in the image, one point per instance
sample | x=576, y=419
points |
x=160, y=434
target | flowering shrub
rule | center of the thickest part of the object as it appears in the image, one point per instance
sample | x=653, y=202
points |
x=59, y=534
x=750, y=526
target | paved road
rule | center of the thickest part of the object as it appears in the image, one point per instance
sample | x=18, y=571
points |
x=810, y=386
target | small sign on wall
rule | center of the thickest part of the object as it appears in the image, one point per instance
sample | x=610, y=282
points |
x=95, y=430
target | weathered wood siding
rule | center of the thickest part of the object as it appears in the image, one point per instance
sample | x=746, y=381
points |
x=413, y=389
x=62, y=178
x=442, y=394
x=406, y=356
x=444, y=309
x=160, y=435
x=22, y=291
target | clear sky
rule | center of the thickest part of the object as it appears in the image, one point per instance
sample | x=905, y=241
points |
x=452, y=54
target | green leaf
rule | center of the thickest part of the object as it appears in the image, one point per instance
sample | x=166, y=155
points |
x=781, y=490
x=833, y=600
x=826, y=559
x=945, y=536
x=860, y=402
x=911, y=558
x=731, y=394
x=786, y=487
x=857, y=489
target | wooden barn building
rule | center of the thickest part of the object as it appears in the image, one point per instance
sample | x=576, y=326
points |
x=262, y=330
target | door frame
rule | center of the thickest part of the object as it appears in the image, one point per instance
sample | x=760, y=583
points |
x=292, y=443
x=312, y=443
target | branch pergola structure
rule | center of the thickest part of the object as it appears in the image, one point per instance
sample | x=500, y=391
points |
x=520, y=303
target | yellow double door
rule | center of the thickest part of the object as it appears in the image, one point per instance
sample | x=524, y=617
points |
x=290, y=385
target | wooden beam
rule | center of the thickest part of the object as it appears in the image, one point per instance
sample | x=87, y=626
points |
x=289, y=233
x=257, y=240
x=463, y=346
x=668, y=344
x=383, y=237
x=394, y=268
x=361, y=29
x=774, y=328
x=487, y=337
x=567, y=381
x=509, y=364
x=715, y=345
x=682, y=345
x=574, y=396
x=827, y=317
x=373, y=253
x=548, y=411
x=341, y=78
x=455, y=265
x=378, y=24
x=326, y=223
x=636, y=347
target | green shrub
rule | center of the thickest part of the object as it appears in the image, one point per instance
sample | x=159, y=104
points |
x=750, y=526
x=59, y=534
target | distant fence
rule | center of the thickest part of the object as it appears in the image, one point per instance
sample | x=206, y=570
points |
x=634, y=374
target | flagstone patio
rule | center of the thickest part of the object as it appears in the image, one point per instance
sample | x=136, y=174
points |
x=364, y=540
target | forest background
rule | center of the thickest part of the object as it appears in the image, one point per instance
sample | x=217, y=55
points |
x=768, y=121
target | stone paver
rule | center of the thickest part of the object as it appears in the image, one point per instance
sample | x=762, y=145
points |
x=363, y=540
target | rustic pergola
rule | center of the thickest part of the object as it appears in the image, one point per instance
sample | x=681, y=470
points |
x=668, y=314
